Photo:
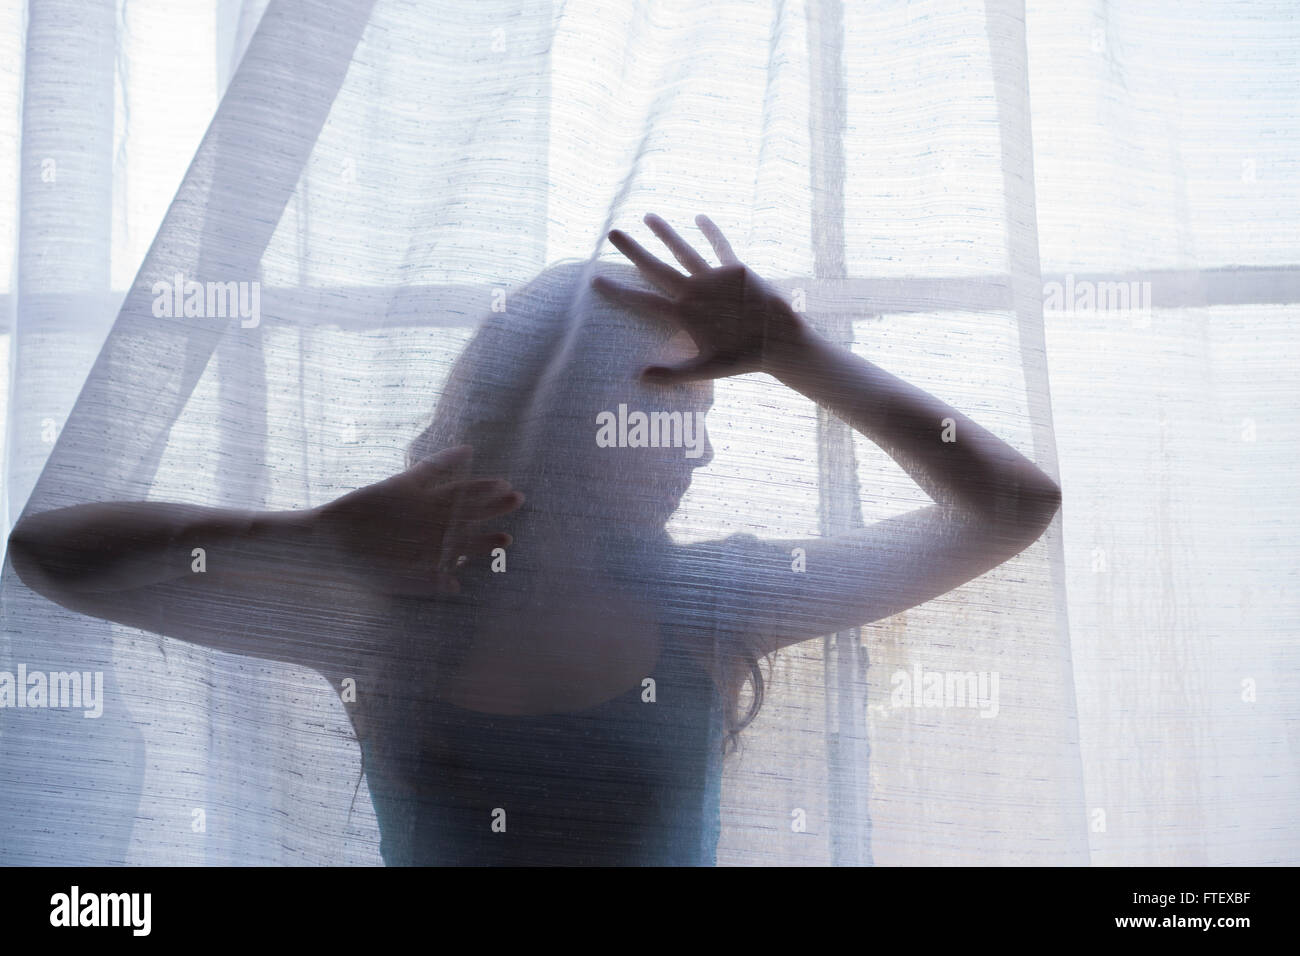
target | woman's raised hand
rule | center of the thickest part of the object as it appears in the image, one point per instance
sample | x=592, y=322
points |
x=739, y=323
x=408, y=534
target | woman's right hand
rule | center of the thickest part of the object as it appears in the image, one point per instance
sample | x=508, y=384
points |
x=406, y=535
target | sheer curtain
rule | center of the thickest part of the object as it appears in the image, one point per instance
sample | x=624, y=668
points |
x=939, y=186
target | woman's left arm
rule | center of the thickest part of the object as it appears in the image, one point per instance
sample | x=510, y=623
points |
x=990, y=501
x=958, y=463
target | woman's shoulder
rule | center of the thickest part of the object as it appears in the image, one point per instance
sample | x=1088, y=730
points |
x=703, y=585
x=719, y=566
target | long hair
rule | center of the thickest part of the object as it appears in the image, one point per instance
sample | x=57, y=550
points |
x=524, y=382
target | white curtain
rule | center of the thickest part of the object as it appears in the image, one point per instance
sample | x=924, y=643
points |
x=953, y=189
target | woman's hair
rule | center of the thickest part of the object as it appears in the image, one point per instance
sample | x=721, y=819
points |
x=525, y=382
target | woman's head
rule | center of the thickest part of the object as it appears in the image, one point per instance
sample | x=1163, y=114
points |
x=549, y=394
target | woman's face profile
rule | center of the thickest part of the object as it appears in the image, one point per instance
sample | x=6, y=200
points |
x=648, y=439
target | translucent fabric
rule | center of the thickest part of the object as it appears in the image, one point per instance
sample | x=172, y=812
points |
x=410, y=201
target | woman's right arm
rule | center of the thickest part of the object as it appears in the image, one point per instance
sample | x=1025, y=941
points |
x=123, y=545
x=212, y=576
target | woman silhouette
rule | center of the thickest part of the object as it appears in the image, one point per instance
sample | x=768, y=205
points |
x=561, y=689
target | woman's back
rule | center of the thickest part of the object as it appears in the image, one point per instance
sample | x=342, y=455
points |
x=633, y=780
